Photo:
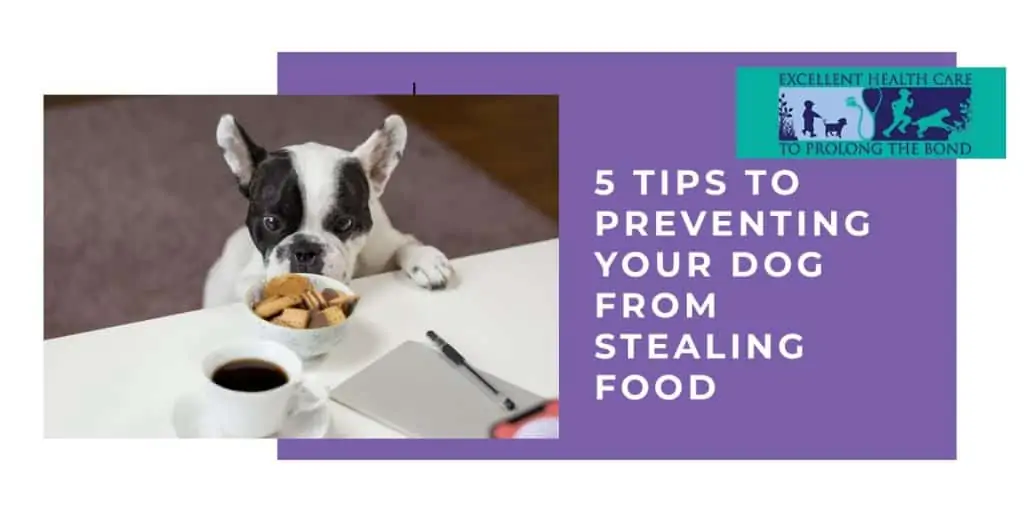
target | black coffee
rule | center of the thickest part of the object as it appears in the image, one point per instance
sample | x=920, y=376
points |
x=251, y=375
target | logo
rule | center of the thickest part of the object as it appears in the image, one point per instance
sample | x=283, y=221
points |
x=946, y=113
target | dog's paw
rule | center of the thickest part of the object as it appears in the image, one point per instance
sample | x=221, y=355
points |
x=428, y=267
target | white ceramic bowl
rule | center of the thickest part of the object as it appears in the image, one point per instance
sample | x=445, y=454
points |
x=307, y=343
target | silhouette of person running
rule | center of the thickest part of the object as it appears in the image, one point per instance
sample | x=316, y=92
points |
x=809, y=116
x=900, y=119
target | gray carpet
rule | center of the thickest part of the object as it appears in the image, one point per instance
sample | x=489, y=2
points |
x=138, y=199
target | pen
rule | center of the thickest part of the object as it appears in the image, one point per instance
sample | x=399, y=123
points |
x=455, y=357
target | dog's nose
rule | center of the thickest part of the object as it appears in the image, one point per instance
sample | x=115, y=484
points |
x=305, y=253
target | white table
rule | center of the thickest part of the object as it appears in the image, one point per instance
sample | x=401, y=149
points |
x=502, y=314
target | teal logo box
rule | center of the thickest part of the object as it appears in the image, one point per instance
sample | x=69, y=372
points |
x=867, y=113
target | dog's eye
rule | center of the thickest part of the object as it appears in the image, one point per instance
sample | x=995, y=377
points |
x=271, y=223
x=344, y=224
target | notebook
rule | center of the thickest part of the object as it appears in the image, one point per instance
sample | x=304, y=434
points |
x=417, y=391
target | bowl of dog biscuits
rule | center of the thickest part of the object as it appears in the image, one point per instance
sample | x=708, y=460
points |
x=307, y=313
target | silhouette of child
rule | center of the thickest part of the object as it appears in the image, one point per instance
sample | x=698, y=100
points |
x=809, y=117
x=900, y=119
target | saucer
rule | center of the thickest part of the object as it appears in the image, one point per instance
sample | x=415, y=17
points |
x=192, y=420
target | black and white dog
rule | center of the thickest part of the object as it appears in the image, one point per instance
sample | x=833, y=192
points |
x=316, y=209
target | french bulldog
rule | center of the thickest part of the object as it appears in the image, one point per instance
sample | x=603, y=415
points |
x=315, y=208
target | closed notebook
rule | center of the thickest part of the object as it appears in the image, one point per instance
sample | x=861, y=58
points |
x=417, y=391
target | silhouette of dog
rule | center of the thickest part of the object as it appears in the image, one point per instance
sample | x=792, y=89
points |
x=835, y=128
x=934, y=120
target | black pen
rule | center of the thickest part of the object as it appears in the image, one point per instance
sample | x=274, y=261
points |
x=455, y=357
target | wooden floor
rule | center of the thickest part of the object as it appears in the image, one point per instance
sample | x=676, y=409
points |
x=512, y=138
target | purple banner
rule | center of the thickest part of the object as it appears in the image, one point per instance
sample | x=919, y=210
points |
x=875, y=376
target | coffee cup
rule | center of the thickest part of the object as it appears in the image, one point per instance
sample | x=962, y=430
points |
x=252, y=388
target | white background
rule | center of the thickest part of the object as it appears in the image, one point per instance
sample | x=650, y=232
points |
x=229, y=48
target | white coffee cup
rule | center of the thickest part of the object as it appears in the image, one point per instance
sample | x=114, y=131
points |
x=243, y=401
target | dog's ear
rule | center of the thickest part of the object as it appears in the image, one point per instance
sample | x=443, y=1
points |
x=382, y=151
x=240, y=152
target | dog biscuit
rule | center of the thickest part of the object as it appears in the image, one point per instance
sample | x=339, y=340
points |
x=288, y=284
x=334, y=315
x=313, y=300
x=318, y=319
x=341, y=299
x=345, y=302
x=275, y=304
x=291, y=300
x=294, y=317
x=330, y=294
